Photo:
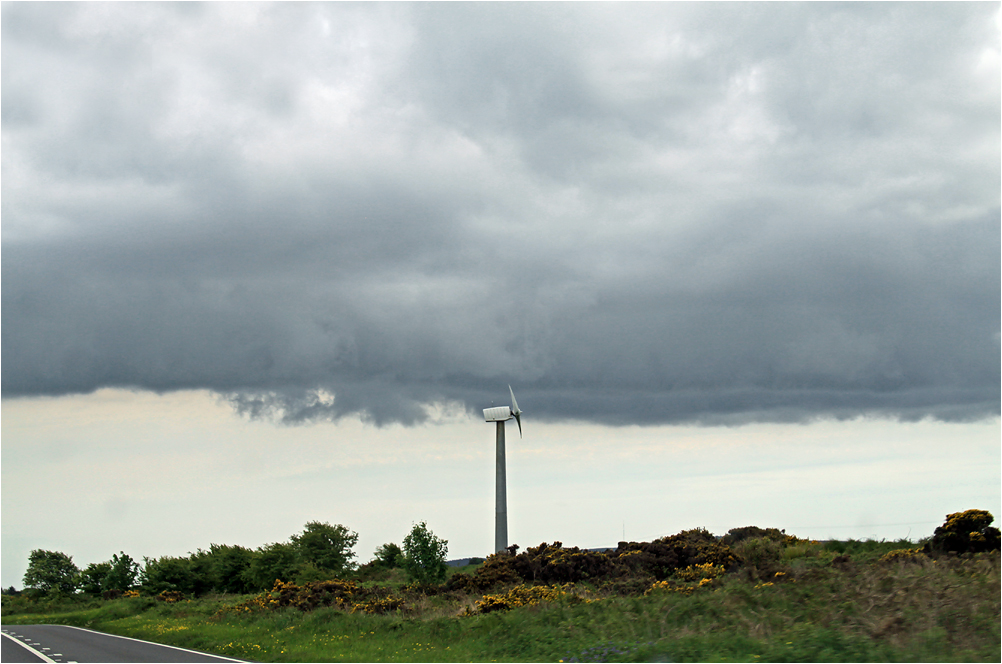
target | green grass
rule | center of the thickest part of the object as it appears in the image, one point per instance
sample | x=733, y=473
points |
x=914, y=611
x=866, y=550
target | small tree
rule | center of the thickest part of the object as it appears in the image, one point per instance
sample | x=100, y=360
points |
x=424, y=555
x=92, y=578
x=122, y=573
x=326, y=546
x=51, y=571
x=388, y=556
x=270, y=563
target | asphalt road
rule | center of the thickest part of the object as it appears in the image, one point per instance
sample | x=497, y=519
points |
x=60, y=643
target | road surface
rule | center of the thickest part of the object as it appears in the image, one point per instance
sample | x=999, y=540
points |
x=60, y=643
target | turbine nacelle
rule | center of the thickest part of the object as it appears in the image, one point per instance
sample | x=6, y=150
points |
x=498, y=414
x=505, y=413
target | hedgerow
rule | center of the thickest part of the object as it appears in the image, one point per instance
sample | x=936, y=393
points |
x=334, y=593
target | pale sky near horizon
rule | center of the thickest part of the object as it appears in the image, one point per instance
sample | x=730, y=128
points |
x=265, y=263
x=165, y=475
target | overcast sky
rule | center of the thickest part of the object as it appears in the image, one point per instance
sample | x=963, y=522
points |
x=357, y=219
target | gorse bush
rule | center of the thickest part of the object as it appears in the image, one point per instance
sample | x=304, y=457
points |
x=496, y=571
x=553, y=563
x=669, y=587
x=639, y=561
x=628, y=569
x=663, y=556
x=525, y=595
x=903, y=555
x=700, y=572
x=170, y=597
x=965, y=532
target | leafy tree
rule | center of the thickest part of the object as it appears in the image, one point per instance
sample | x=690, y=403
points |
x=169, y=573
x=326, y=546
x=122, y=573
x=269, y=563
x=202, y=571
x=388, y=556
x=51, y=571
x=310, y=573
x=228, y=566
x=92, y=578
x=424, y=555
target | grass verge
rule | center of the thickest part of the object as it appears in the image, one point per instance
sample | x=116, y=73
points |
x=810, y=610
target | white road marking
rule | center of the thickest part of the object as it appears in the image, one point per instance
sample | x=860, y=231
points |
x=29, y=648
x=164, y=645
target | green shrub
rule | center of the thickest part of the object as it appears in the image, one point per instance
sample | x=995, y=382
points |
x=326, y=546
x=269, y=563
x=388, y=556
x=228, y=566
x=761, y=553
x=92, y=578
x=735, y=535
x=171, y=573
x=801, y=550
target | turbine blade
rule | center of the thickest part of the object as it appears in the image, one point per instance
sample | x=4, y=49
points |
x=515, y=411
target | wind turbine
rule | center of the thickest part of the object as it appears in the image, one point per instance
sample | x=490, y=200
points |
x=502, y=414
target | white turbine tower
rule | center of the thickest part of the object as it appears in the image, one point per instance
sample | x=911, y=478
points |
x=502, y=414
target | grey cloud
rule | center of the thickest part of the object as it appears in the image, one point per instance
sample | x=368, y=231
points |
x=634, y=214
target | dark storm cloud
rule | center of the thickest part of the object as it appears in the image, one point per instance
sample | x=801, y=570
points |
x=632, y=213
